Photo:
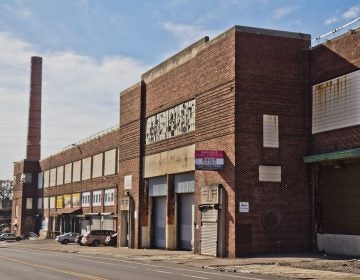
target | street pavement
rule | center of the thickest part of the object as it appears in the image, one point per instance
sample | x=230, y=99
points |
x=73, y=262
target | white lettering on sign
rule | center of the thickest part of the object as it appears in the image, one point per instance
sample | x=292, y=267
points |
x=244, y=207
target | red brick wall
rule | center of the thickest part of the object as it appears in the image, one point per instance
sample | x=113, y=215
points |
x=271, y=78
x=329, y=60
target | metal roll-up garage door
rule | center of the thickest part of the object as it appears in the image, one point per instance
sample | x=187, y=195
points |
x=184, y=188
x=108, y=222
x=95, y=222
x=158, y=192
x=159, y=221
x=209, y=231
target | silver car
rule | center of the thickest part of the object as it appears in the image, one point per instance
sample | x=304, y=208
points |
x=67, y=237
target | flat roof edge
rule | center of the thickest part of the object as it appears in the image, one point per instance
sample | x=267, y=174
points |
x=272, y=32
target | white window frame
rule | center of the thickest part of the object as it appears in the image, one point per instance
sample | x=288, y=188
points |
x=96, y=198
x=85, y=199
x=109, y=197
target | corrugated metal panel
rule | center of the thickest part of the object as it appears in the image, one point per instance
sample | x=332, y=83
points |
x=76, y=171
x=336, y=103
x=340, y=196
x=158, y=186
x=68, y=171
x=186, y=221
x=185, y=183
x=271, y=131
x=97, y=166
x=95, y=222
x=159, y=222
x=60, y=175
x=209, y=231
x=86, y=169
x=110, y=162
x=108, y=223
x=40, y=180
x=269, y=173
x=52, y=177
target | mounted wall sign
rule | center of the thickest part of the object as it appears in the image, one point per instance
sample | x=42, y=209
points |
x=125, y=203
x=209, y=160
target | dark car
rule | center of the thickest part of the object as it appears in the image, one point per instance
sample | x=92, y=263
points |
x=9, y=236
x=111, y=240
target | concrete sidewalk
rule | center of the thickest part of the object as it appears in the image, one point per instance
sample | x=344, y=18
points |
x=295, y=266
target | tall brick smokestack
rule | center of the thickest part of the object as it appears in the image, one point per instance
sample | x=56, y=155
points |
x=34, y=121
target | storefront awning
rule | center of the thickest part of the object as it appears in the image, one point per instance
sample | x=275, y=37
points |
x=340, y=155
x=75, y=210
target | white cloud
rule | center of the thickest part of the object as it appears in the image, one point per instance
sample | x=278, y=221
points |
x=283, y=12
x=80, y=96
x=188, y=33
x=351, y=13
x=331, y=20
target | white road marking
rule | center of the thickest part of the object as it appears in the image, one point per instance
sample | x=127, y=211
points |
x=160, y=271
x=224, y=275
x=192, y=276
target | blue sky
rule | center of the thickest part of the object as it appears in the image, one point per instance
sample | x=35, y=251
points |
x=94, y=49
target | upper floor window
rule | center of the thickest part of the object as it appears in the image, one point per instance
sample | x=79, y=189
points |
x=271, y=131
x=96, y=198
x=109, y=196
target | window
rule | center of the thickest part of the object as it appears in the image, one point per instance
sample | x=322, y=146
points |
x=269, y=173
x=60, y=175
x=40, y=202
x=46, y=178
x=109, y=197
x=85, y=199
x=29, y=203
x=26, y=177
x=68, y=169
x=86, y=169
x=46, y=202
x=271, y=131
x=40, y=180
x=52, y=202
x=96, y=198
x=110, y=162
x=97, y=166
x=52, y=177
x=76, y=171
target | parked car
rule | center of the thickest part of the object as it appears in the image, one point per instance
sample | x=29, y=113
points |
x=78, y=239
x=96, y=237
x=111, y=239
x=67, y=237
x=9, y=236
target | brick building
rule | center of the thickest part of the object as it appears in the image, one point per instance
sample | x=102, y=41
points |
x=209, y=155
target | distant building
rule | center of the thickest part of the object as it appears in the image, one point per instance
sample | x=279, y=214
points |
x=243, y=144
x=6, y=194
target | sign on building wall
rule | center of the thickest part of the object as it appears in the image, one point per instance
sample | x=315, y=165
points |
x=125, y=203
x=244, y=207
x=127, y=182
x=209, y=160
x=172, y=122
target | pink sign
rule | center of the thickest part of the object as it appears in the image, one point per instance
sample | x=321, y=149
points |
x=209, y=160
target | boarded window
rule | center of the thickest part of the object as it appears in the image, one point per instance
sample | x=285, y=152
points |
x=52, y=177
x=40, y=180
x=40, y=201
x=46, y=202
x=68, y=169
x=97, y=166
x=29, y=203
x=271, y=131
x=269, y=173
x=46, y=178
x=86, y=169
x=336, y=103
x=76, y=171
x=52, y=202
x=110, y=162
x=60, y=175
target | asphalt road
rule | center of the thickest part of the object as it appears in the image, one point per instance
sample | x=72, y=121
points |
x=17, y=263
